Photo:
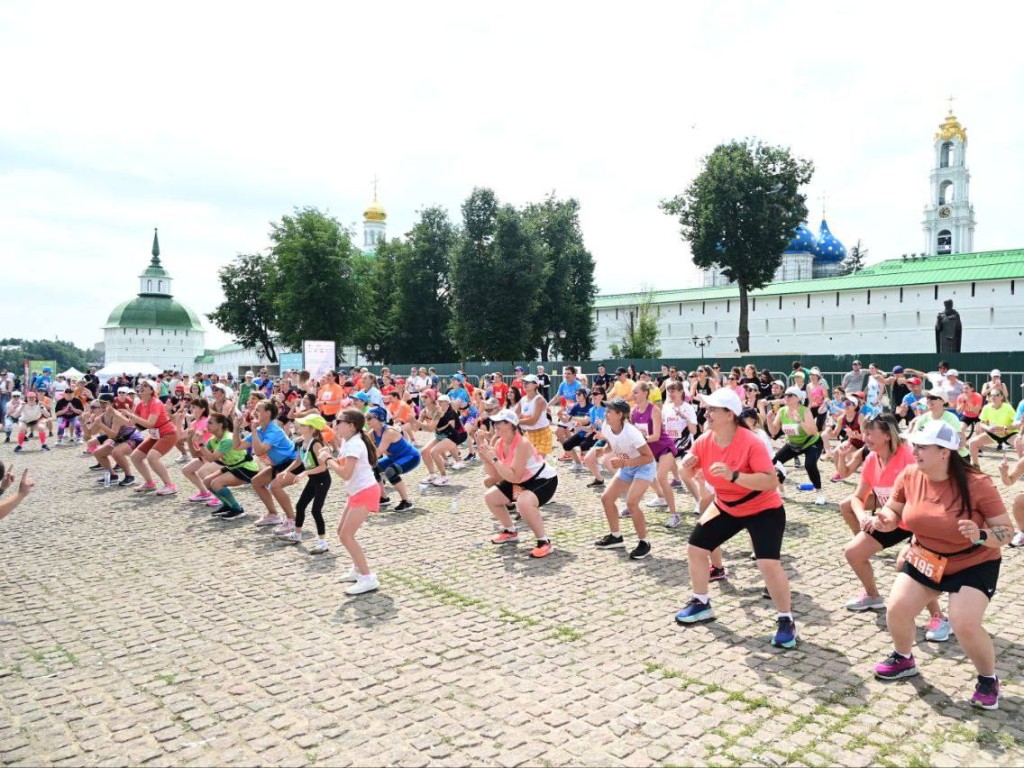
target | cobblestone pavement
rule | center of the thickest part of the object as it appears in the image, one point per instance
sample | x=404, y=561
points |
x=140, y=631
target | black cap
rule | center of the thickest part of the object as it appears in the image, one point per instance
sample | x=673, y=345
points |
x=749, y=413
x=620, y=370
x=620, y=405
x=105, y=398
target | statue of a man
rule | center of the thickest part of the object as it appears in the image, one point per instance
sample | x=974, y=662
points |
x=948, y=329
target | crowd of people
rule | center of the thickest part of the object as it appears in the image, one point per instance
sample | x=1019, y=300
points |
x=724, y=440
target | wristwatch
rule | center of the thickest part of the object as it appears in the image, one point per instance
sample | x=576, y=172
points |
x=982, y=537
x=735, y=474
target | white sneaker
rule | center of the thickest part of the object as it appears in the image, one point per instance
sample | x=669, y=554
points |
x=292, y=537
x=428, y=480
x=1018, y=539
x=351, y=575
x=269, y=520
x=656, y=503
x=440, y=480
x=319, y=547
x=284, y=528
x=458, y=465
x=363, y=584
x=820, y=500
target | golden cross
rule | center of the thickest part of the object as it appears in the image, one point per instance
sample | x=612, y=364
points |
x=375, y=187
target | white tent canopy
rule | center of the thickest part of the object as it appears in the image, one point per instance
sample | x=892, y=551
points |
x=129, y=368
x=71, y=373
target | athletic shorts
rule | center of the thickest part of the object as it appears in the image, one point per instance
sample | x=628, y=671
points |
x=1002, y=439
x=277, y=469
x=540, y=439
x=648, y=472
x=766, y=529
x=242, y=473
x=543, y=488
x=890, y=538
x=983, y=577
x=393, y=472
x=456, y=437
x=161, y=445
x=368, y=497
x=663, y=448
x=580, y=440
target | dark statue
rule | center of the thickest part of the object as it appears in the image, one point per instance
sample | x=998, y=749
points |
x=948, y=329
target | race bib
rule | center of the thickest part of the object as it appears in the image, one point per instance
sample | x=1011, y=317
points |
x=791, y=429
x=153, y=433
x=928, y=564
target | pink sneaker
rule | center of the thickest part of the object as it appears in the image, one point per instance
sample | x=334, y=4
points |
x=167, y=490
x=284, y=528
x=214, y=501
x=146, y=487
x=201, y=496
x=269, y=520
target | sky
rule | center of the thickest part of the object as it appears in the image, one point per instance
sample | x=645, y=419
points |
x=211, y=120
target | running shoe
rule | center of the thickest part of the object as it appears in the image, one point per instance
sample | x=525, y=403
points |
x=625, y=512
x=694, y=611
x=269, y=520
x=319, y=547
x=938, y=629
x=128, y=481
x=566, y=456
x=716, y=574
x=167, y=490
x=505, y=537
x=214, y=501
x=610, y=541
x=363, y=584
x=221, y=509
x=836, y=477
x=350, y=575
x=284, y=528
x=107, y=480
x=820, y=500
x=441, y=480
x=292, y=537
x=676, y=484
x=403, y=505
x=596, y=483
x=785, y=633
x=96, y=467
x=44, y=447
x=384, y=501
x=657, y=502
x=543, y=549
x=1018, y=539
x=640, y=551
x=797, y=463
x=18, y=449
x=201, y=496
x=146, y=487
x=866, y=603
x=765, y=594
x=471, y=457
x=231, y=514
x=674, y=520
x=896, y=667
x=458, y=465
x=183, y=459
x=986, y=693
x=429, y=479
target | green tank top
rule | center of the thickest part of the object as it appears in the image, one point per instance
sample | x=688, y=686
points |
x=231, y=457
x=794, y=430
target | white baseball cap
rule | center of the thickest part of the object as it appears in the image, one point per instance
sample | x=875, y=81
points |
x=952, y=372
x=936, y=433
x=723, y=397
x=506, y=415
x=995, y=372
x=799, y=393
x=938, y=393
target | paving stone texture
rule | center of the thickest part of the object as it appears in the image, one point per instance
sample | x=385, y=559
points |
x=141, y=631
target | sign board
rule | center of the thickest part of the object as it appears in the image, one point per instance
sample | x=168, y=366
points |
x=290, y=361
x=319, y=357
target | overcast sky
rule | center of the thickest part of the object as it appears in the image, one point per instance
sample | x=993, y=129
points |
x=209, y=120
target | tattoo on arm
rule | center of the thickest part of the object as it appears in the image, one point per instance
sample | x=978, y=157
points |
x=1001, y=532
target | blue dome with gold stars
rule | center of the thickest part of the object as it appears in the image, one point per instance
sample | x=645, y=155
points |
x=803, y=241
x=828, y=249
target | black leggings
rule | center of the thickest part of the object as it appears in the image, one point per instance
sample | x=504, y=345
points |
x=316, y=490
x=810, y=454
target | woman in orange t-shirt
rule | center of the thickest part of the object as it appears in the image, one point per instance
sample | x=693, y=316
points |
x=329, y=397
x=959, y=523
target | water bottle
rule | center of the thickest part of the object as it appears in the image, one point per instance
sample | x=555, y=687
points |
x=106, y=479
x=806, y=486
x=453, y=507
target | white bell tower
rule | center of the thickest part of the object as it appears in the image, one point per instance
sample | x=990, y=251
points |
x=949, y=216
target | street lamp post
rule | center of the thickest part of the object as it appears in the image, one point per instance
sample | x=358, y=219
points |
x=699, y=342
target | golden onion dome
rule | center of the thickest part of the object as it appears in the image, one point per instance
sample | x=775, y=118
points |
x=375, y=212
x=950, y=128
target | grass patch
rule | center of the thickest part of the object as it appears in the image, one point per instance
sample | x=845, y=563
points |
x=565, y=634
x=167, y=679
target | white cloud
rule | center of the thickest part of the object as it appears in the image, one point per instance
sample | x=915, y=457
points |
x=210, y=120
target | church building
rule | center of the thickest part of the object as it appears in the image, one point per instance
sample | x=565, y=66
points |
x=153, y=327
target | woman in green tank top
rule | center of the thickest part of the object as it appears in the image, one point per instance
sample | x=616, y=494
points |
x=797, y=423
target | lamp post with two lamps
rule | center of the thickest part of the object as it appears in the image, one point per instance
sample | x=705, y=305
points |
x=699, y=342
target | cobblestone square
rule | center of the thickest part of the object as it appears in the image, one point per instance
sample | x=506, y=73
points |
x=139, y=630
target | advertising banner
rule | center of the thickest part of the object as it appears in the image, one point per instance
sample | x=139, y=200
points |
x=290, y=361
x=319, y=357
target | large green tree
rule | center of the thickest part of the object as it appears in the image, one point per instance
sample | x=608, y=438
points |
x=15, y=352
x=739, y=214
x=565, y=312
x=498, y=272
x=318, y=294
x=248, y=312
x=376, y=337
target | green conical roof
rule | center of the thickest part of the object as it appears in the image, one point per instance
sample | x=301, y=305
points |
x=155, y=269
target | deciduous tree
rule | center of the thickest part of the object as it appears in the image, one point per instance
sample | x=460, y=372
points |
x=248, y=312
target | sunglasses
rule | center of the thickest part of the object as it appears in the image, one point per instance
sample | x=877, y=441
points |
x=932, y=397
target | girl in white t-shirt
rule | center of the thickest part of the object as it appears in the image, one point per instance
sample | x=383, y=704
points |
x=356, y=468
x=632, y=460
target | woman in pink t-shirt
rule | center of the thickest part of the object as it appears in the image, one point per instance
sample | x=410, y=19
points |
x=741, y=471
x=887, y=458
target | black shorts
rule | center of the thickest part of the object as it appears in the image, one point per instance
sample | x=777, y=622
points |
x=1001, y=439
x=890, y=538
x=101, y=439
x=242, y=473
x=765, y=528
x=277, y=469
x=579, y=440
x=543, y=488
x=983, y=577
x=456, y=437
x=968, y=420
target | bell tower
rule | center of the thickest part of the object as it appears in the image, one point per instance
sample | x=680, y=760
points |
x=949, y=216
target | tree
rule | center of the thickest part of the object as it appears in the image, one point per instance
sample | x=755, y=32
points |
x=498, y=263
x=566, y=302
x=739, y=214
x=317, y=280
x=248, y=312
x=376, y=338
x=422, y=313
x=14, y=352
x=640, y=331
x=854, y=261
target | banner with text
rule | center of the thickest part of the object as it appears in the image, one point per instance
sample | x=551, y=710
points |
x=319, y=357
